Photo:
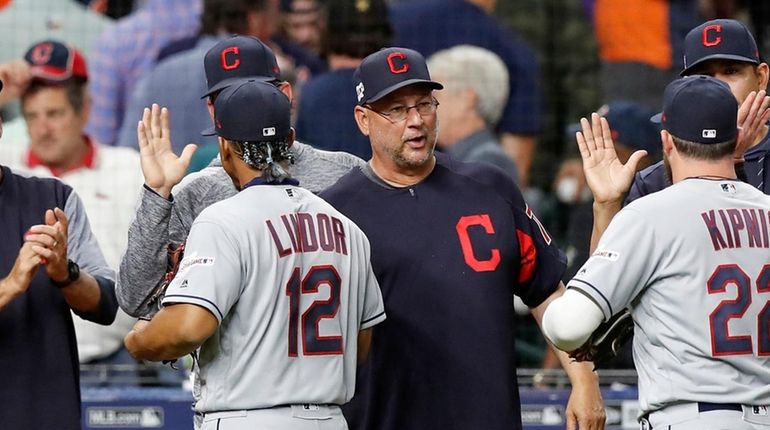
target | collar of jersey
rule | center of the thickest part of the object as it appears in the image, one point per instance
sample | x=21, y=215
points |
x=260, y=181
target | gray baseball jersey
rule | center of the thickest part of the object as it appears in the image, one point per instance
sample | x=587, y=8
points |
x=693, y=264
x=290, y=281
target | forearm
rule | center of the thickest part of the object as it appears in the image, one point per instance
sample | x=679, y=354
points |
x=145, y=260
x=7, y=292
x=603, y=214
x=175, y=331
x=580, y=374
x=150, y=344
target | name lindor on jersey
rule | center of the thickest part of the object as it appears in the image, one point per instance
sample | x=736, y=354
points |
x=305, y=232
x=736, y=228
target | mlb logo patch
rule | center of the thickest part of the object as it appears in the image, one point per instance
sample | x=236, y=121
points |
x=360, y=90
x=760, y=410
x=728, y=188
x=268, y=131
x=709, y=134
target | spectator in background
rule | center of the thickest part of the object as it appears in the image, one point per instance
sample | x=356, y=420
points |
x=24, y=22
x=50, y=263
x=431, y=25
x=641, y=42
x=178, y=81
x=475, y=93
x=325, y=112
x=126, y=51
x=55, y=105
x=303, y=23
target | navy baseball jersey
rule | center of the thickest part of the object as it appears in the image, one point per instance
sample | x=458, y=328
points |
x=654, y=178
x=448, y=252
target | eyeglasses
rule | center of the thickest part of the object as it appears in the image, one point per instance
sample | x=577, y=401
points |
x=400, y=113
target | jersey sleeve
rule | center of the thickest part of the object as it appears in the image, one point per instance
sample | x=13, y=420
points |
x=541, y=262
x=210, y=274
x=622, y=265
x=373, y=307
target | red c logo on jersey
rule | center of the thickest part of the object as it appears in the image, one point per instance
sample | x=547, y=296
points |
x=709, y=41
x=42, y=53
x=395, y=68
x=226, y=65
x=474, y=263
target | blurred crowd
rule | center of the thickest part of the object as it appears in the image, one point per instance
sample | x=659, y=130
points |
x=518, y=75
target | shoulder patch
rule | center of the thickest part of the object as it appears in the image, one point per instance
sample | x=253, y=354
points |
x=606, y=255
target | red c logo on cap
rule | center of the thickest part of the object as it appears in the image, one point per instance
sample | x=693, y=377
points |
x=42, y=53
x=223, y=57
x=395, y=68
x=707, y=41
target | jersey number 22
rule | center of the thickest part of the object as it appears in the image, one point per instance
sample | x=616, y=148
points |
x=721, y=342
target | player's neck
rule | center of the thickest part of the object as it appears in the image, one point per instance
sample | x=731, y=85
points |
x=722, y=169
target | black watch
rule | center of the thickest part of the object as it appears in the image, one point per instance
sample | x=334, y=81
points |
x=73, y=274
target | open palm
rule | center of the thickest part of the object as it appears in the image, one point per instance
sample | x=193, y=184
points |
x=608, y=178
x=162, y=168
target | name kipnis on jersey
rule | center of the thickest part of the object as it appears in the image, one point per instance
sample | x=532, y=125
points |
x=736, y=228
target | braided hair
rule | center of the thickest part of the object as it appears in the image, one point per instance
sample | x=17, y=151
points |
x=266, y=155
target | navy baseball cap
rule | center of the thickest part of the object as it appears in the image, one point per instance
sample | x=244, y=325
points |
x=725, y=39
x=699, y=109
x=388, y=70
x=239, y=57
x=251, y=110
x=53, y=61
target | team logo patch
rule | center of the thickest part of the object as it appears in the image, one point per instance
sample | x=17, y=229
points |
x=360, y=90
x=728, y=188
x=606, y=255
x=709, y=134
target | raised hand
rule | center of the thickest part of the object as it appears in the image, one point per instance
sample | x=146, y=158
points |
x=16, y=76
x=753, y=115
x=162, y=168
x=608, y=178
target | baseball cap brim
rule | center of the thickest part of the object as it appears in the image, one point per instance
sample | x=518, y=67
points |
x=719, y=57
x=211, y=131
x=432, y=84
x=221, y=85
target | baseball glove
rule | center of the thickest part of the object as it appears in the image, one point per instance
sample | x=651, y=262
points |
x=607, y=340
x=175, y=256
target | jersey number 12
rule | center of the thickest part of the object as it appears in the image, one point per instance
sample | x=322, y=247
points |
x=308, y=324
x=722, y=343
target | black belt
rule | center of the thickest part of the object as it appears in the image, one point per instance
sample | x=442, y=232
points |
x=706, y=407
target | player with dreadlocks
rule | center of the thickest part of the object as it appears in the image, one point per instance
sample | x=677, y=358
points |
x=272, y=253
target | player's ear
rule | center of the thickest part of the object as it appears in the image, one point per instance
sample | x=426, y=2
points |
x=285, y=88
x=362, y=119
x=666, y=141
x=290, y=138
x=763, y=75
x=224, y=149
